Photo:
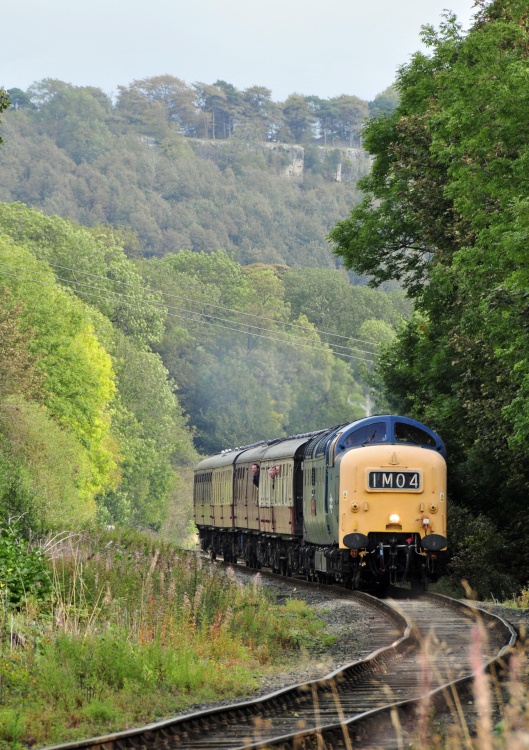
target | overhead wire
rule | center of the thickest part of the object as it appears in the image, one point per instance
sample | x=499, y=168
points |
x=213, y=305
x=219, y=307
x=183, y=313
x=216, y=325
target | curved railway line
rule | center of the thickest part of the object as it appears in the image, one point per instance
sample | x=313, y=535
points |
x=373, y=702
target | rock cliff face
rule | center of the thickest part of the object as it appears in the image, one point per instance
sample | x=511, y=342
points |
x=350, y=163
x=333, y=163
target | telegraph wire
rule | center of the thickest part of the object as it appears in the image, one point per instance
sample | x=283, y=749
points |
x=207, y=316
x=219, y=307
x=210, y=304
x=325, y=346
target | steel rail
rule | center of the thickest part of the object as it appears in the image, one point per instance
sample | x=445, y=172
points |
x=170, y=730
x=389, y=725
x=346, y=706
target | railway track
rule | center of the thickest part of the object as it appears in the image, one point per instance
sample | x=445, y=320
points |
x=373, y=702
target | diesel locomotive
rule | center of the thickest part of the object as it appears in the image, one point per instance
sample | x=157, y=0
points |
x=362, y=504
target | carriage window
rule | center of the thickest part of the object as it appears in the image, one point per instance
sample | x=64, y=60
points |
x=369, y=433
x=409, y=433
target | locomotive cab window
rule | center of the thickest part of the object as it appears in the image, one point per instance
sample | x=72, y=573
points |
x=365, y=435
x=408, y=433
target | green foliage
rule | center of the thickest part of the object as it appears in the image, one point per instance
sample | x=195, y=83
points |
x=78, y=378
x=90, y=371
x=195, y=168
x=153, y=438
x=238, y=387
x=4, y=102
x=18, y=371
x=134, y=630
x=106, y=422
x=24, y=572
x=46, y=472
x=76, y=117
x=73, y=371
x=93, y=264
x=384, y=103
x=19, y=98
x=445, y=212
x=335, y=305
x=480, y=555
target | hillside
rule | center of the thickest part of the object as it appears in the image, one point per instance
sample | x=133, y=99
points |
x=179, y=259
x=267, y=186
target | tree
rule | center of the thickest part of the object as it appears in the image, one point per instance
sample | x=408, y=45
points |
x=384, y=103
x=4, y=103
x=171, y=93
x=77, y=120
x=299, y=117
x=446, y=212
x=92, y=263
x=213, y=103
x=232, y=106
x=173, y=191
x=398, y=232
x=75, y=376
x=260, y=116
x=352, y=114
x=153, y=436
x=327, y=113
x=43, y=92
x=18, y=365
x=19, y=99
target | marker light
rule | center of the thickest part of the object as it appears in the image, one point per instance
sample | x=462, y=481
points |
x=394, y=518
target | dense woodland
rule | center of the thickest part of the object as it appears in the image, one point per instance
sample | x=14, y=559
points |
x=115, y=372
x=190, y=167
x=178, y=314
x=190, y=274
x=446, y=212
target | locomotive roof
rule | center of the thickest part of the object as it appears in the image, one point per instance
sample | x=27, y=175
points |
x=314, y=441
x=253, y=454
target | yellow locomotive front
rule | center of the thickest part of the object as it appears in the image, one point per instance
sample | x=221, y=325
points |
x=392, y=504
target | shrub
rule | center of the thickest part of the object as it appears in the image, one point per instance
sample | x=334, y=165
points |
x=23, y=570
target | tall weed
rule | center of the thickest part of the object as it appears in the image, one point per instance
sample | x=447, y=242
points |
x=134, y=629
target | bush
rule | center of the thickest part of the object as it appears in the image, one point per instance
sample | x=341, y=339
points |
x=23, y=570
x=480, y=554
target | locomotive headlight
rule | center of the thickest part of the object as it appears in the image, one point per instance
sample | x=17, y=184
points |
x=433, y=507
x=394, y=518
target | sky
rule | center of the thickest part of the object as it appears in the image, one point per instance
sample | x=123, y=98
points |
x=324, y=48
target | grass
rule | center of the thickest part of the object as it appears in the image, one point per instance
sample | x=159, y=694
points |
x=135, y=630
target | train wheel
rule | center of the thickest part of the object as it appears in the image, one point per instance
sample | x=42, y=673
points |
x=382, y=588
x=285, y=568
